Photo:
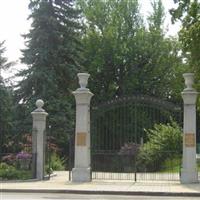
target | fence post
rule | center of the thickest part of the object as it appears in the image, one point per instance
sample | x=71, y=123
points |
x=38, y=140
x=82, y=170
x=189, y=172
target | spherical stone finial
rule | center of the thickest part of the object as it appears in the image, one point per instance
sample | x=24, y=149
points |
x=39, y=103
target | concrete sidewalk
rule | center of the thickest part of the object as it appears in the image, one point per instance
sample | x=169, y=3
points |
x=60, y=184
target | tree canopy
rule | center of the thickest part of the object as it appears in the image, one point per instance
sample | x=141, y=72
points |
x=107, y=38
x=124, y=56
x=188, y=13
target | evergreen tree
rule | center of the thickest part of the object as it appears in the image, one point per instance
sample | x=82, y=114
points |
x=4, y=64
x=52, y=56
x=5, y=103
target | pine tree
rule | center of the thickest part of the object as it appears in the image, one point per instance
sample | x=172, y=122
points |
x=5, y=102
x=52, y=56
x=4, y=64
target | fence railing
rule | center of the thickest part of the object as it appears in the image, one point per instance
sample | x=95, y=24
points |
x=114, y=166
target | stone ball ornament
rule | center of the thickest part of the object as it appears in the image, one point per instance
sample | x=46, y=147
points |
x=39, y=103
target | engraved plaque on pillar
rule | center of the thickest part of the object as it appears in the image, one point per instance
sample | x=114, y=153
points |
x=189, y=139
x=81, y=139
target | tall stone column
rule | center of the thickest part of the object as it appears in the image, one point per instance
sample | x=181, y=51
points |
x=189, y=172
x=38, y=140
x=82, y=171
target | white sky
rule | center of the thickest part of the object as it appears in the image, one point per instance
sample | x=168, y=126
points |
x=13, y=23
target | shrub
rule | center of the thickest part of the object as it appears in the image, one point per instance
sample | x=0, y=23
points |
x=23, y=160
x=23, y=155
x=9, y=159
x=56, y=163
x=171, y=164
x=129, y=149
x=3, y=166
x=8, y=172
x=128, y=154
x=164, y=142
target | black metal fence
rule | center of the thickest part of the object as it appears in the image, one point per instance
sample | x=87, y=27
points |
x=70, y=163
x=122, y=147
x=198, y=142
x=113, y=166
x=57, y=158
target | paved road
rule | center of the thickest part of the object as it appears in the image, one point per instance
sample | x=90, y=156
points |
x=37, y=196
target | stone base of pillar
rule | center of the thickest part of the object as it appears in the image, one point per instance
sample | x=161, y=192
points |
x=81, y=174
x=189, y=177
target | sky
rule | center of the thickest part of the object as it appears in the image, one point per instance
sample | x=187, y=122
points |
x=14, y=23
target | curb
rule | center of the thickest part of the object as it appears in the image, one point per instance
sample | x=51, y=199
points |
x=101, y=192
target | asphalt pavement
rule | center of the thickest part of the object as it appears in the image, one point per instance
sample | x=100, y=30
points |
x=50, y=196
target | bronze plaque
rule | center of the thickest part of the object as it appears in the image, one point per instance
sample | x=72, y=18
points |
x=189, y=140
x=81, y=139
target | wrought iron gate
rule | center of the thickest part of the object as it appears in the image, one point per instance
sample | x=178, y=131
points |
x=118, y=131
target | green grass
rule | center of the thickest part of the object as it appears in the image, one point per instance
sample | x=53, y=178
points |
x=172, y=165
x=198, y=165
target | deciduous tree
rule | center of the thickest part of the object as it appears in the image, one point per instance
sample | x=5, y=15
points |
x=124, y=56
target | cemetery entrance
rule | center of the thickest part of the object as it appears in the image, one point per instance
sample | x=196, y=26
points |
x=136, y=138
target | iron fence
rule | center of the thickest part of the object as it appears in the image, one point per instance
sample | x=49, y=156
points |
x=113, y=166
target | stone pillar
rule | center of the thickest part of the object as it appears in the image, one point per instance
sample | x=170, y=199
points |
x=189, y=172
x=38, y=140
x=82, y=171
